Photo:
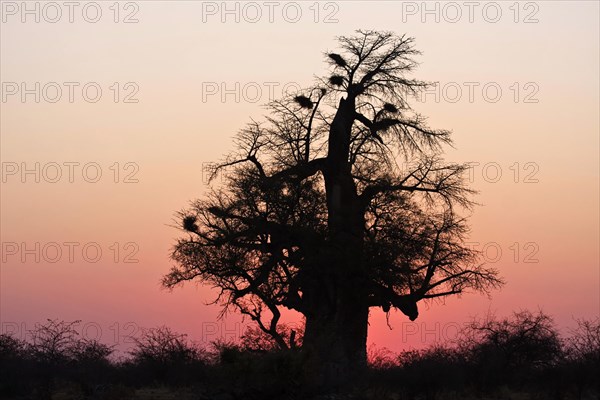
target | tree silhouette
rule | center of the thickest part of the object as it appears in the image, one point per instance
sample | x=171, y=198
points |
x=338, y=202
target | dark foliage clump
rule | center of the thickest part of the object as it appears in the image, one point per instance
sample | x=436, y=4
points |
x=336, y=80
x=304, y=102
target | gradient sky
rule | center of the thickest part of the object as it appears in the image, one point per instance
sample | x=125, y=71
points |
x=541, y=134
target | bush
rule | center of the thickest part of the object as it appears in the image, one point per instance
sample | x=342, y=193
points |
x=162, y=355
x=582, y=353
x=248, y=373
x=521, y=355
x=15, y=362
x=510, y=350
x=434, y=369
x=54, y=356
x=53, y=343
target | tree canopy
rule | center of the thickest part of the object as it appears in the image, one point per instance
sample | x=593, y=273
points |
x=263, y=238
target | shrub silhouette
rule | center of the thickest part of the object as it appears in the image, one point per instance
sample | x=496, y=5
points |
x=261, y=369
x=429, y=371
x=54, y=354
x=518, y=356
x=90, y=364
x=15, y=361
x=582, y=353
x=162, y=355
x=510, y=349
x=54, y=342
x=52, y=348
x=381, y=358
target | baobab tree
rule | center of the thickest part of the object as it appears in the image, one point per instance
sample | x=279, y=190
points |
x=338, y=202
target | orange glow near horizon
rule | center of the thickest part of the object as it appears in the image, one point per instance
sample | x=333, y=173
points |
x=534, y=149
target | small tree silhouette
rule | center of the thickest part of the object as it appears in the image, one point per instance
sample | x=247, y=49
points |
x=582, y=350
x=57, y=350
x=54, y=341
x=339, y=202
x=161, y=354
x=509, y=349
x=584, y=341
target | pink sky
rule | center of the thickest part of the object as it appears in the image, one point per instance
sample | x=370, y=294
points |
x=541, y=134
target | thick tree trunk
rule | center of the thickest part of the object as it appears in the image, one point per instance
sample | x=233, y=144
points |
x=337, y=317
x=335, y=344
